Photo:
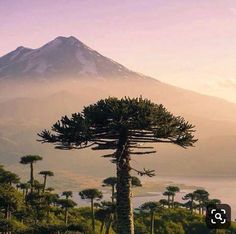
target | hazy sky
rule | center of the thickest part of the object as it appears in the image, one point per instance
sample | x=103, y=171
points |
x=189, y=43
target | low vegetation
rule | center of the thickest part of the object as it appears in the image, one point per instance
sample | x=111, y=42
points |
x=27, y=207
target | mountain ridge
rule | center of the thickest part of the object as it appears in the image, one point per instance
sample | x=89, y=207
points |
x=63, y=56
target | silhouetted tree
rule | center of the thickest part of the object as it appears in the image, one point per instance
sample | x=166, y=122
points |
x=164, y=202
x=173, y=190
x=8, y=177
x=66, y=204
x=45, y=175
x=201, y=196
x=30, y=159
x=92, y=195
x=151, y=207
x=168, y=194
x=67, y=194
x=121, y=125
x=105, y=214
x=190, y=197
x=111, y=181
x=25, y=188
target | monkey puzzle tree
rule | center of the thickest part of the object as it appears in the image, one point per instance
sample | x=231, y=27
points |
x=111, y=181
x=105, y=214
x=8, y=177
x=10, y=199
x=163, y=202
x=24, y=187
x=202, y=196
x=91, y=194
x=151, y=207
x=66, y=204
x=173, y=190
x=67, y=194
x=121, y=125
x=168, y=194
x=31, y=159
x=190, y=203
x=45, y=175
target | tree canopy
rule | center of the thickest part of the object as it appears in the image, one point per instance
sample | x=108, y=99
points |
x=99, y=125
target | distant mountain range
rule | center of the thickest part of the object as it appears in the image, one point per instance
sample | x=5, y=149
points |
x=62, y=57
x=38, y=86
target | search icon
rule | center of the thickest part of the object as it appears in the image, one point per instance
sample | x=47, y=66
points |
x=218, y=216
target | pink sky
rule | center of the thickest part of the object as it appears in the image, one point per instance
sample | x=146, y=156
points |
x=189, y=43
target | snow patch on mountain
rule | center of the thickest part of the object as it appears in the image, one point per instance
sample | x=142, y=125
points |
x=62, y=57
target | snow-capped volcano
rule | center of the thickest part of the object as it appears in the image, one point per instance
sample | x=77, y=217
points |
x=62, y=57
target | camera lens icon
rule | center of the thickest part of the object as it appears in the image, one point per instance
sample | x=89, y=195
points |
x=218, y=216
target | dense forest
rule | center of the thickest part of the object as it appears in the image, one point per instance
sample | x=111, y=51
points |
x=33, y=207
x=128, y=127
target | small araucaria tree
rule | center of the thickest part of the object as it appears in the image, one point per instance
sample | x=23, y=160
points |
x=151, y=207
x=92, y=195
x=190, y=201
x=121, y=125
x=30, y=159
x=202, y=196
x=173, y=190
x=112, y=181
x=45, y=175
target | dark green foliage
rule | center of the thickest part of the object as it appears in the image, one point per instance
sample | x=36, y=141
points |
x=135, y=182
x=92, y=194
x=45, y=175
x=121, y=125
x=100, y=125
x=67, y=194
x=42, y=213
x=9, y=177
x=66, y=203
x=30, y=159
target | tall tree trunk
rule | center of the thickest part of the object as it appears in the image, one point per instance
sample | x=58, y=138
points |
x=93, y=218
x=191, y=206
x=125, y=224
x=112, y=194
x=152, y=223
x=109, y=224
x=102, y=226
x=199, y=209
x=168, y=199
x=124, y=207
x=31, y=176
x=44, y=183
x=66, y=216
x=172, y=200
